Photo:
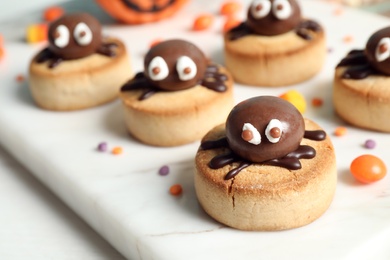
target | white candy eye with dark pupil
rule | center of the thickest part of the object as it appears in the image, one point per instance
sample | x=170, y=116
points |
x=186, y=68
x=250, y=134
x=82, y=34
x=274, y=130
x=61, y=36
x=382, y=51
x=260, y=8
x=158, y=69
x=282, y=9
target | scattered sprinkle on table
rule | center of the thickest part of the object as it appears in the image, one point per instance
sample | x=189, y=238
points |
x=368, y=168
x=176, y=190
x=369, y=144
x=317, y=102
x=164, y=170
x=19, y=78
x=230, y=8
x=202, y=22
x=348, y=39
x=52, y=13
x=340, y=131
x=117, y=150
x=102, y=147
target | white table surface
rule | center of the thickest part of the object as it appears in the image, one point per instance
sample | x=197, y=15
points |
x=37, y=225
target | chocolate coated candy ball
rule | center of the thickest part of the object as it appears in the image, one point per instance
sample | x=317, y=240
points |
x=264, y=128
x=175, y=65
x=273, y=17
x=378, y=50
x=75, y=36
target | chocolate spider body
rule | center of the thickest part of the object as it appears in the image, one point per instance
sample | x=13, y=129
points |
x=264, y=130
x=74, y=36
x=175, y=65
x=274, y=17
x=374, y=59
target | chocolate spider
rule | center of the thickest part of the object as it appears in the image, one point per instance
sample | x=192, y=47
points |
x=374, y=59
x=274, y=17
x=176, y=65
x=74, y=36
x=266, y=130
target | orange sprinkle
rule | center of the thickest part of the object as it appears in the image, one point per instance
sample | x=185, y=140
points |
x=202, y=22
x=317, y=102
x=230, y=24
x=176, y=190
x=52, y=13
x=1, y=52
x=117, y=150
x=338, y=11
x=155, y=42
x=36, y=33
x=1, y=40
x=348, y=39
x=19, y=78
x=230, y=8
x=340, y=131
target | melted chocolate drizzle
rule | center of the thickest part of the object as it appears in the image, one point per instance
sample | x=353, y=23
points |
x=303, y=30
x=46, y=54
x=289, y=161
x=359, y=68
x=212, y=79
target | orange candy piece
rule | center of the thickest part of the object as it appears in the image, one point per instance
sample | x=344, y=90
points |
x=117, y=150
x=176, y=190
x=368, y=168
x=230, y=8
x=340, y=131
x=36, y=33
x=230, y=24
x=53, y=13
x=202, y=22
x=317, y=102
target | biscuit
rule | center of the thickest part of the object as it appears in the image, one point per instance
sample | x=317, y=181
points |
x=263, y=197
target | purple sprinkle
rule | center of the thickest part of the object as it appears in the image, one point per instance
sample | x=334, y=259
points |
x=102, y=147
x=164, y=170
x=330, y=50
x=370, y=144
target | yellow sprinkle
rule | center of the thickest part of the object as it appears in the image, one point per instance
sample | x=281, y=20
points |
x=295, y=98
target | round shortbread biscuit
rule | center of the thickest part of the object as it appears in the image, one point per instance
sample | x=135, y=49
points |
x=363, y=102
x=265, y=197
x=80, y=83
x=279, y=60
x=171, y=118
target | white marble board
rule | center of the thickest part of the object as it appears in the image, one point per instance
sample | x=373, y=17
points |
x=128, y=203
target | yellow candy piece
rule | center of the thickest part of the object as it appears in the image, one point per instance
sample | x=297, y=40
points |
x=36, y=33
x=295, y=98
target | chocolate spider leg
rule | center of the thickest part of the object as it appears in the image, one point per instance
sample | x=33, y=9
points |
x=44, y=55
x=221, y=160
x=232, y=173
x=304, y=29
x=239, y=31
x=213, y=144
x=106, y=50
x=213, y=79
x=354, y=58
x=138, y=82
x=55, y=62
x=358, y=72
x=147, y=93
x=291, y=160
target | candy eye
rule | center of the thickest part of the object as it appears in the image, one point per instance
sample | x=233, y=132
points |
x=260, y=8
x=382, y=51
x=250, y=134
x=61, y=36
x=186, y=68
x=274, y=131
x=82, y=34
x=282, y=9
x=158, y=69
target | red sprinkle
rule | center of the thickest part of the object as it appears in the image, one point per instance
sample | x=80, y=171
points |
x=176, y=190
x=317, y=102
x=20, y=78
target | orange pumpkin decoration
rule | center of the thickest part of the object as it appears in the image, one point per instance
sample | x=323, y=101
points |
x=141, y=11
